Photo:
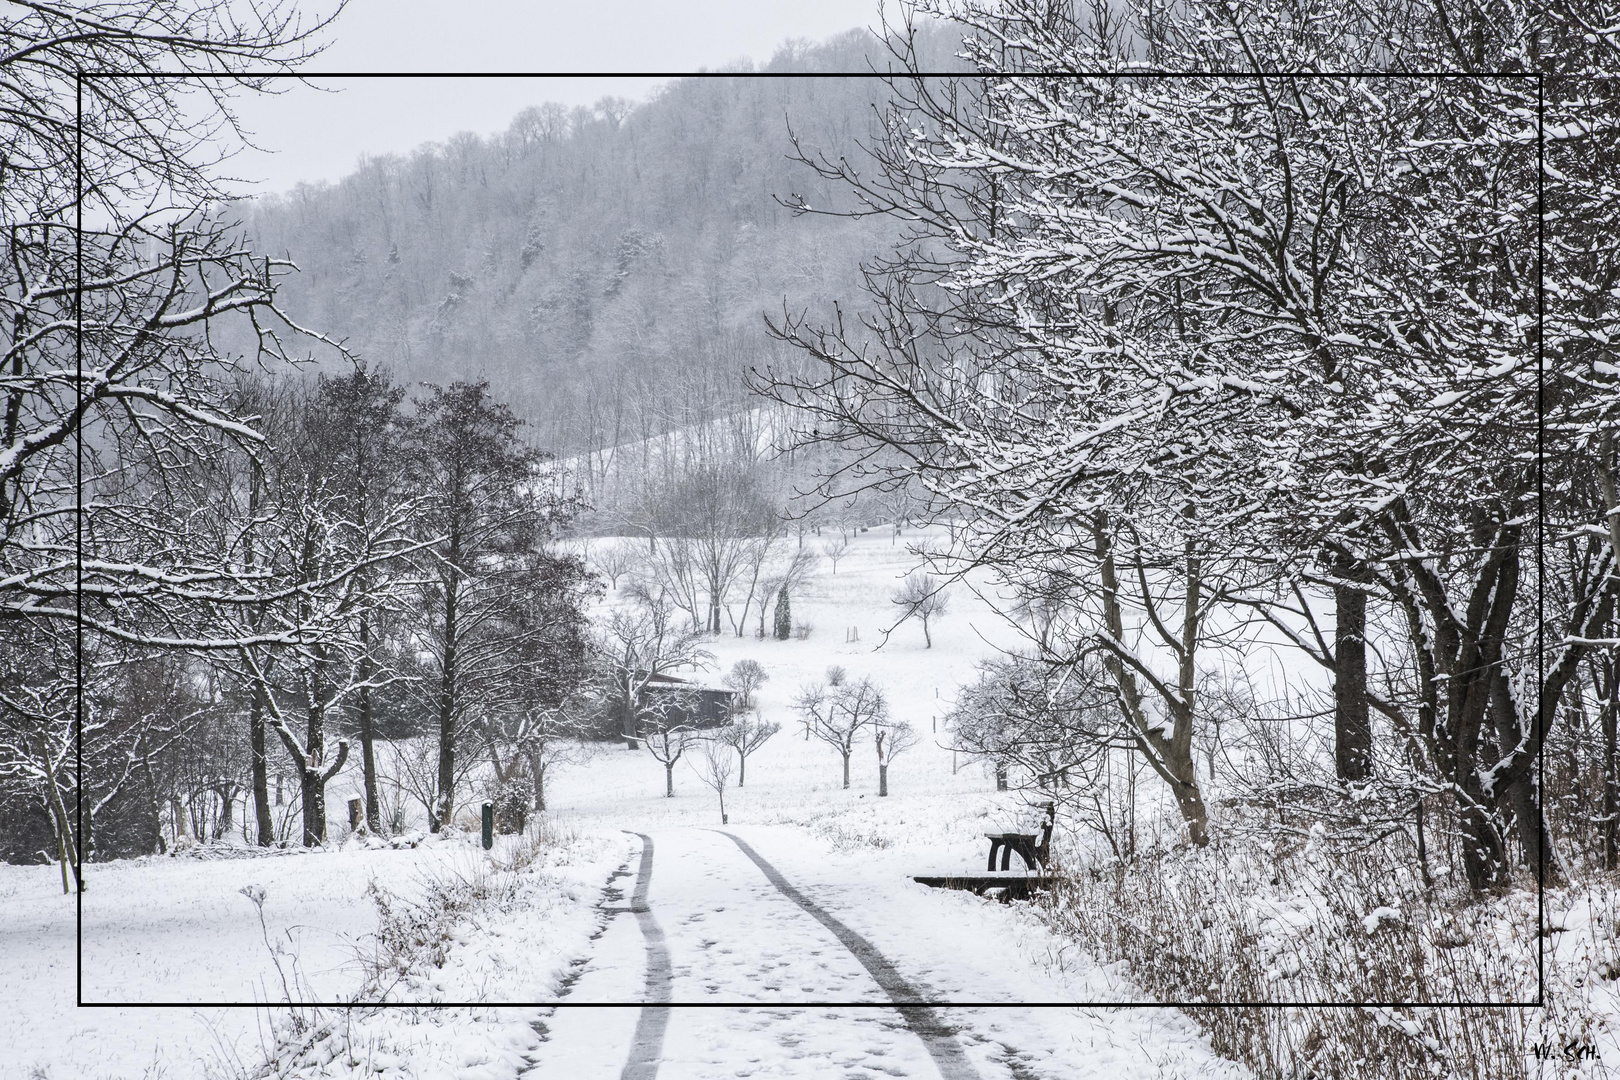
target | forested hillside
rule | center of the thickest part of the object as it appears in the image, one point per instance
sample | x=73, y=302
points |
x=600, y=266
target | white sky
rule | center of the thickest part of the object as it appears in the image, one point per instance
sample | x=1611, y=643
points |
x=308, y=135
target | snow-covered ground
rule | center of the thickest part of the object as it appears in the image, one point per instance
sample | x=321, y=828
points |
x=179, y=930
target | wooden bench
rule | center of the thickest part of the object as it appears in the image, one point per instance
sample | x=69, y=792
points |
x=1035, y=853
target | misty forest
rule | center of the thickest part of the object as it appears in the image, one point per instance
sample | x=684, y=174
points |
x=1050, y=501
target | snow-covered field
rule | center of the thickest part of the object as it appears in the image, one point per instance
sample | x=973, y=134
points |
x=179, y=931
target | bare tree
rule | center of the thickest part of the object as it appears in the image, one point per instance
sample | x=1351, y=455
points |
x=835, y=548
x=839, y=715
x=667, y=741
x=713, y=765
x=614, y=558
x=757, y=573
x=131, y=294
x=746, y=677
x=320, y=548
x=893, y=738
x=922, y=597
x=677, y=571
x=714, y=504
x=746, y=734
x=534, y=741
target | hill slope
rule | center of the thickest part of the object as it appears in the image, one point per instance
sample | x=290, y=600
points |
x=607, y=269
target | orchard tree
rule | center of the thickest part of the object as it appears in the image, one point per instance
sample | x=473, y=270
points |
x=746, y=677
x=892, y=738
x=666, y=733
x=921, y=597
x=745, y=734
x=839, y=715
x=713, y=766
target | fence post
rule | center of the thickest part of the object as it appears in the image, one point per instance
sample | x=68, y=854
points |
x=489, y=825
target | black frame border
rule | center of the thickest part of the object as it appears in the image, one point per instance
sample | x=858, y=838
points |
x=1542, y=936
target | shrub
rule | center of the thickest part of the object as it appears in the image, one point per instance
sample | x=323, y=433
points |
x=512, y=802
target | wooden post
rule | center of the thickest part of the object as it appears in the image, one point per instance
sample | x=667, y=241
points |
x=489, y=825
x=356, y=812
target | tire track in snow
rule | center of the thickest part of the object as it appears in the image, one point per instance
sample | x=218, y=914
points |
x=908, y=1001
x=647, y=1046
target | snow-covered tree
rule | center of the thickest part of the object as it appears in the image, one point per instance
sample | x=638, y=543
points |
x=1212, y=334
x=493, y=587
x=636, y=644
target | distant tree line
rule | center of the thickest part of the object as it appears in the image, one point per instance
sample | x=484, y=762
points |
x=600, y=264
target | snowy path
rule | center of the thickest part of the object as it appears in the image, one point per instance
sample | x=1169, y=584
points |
x=776, y=964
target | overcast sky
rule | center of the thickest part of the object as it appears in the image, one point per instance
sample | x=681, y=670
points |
x=307, y=135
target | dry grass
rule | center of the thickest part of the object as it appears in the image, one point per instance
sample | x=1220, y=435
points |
x=1239, y=924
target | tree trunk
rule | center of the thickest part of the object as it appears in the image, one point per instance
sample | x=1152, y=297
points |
x=312, y=792
x=264, y=822
x=66, y=849
x=846, y=770
x=883, y=780
x=1190, y=800
x=1352, y=726
x=227, y=810
x=1170, y=758
x=1484, y=857
x=368, y=758
x=1423, y=848
x=630, y=742
x=445, y=803
x=1001, y=776
x=182, y=826
x=928, y=638
x=1520, y=794
x=157, y=805
x=538, y=772
x=742, y=768
x=1611, y=786
x=669, y=780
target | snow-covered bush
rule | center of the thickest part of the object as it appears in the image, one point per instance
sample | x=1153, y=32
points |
x=512, y=801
